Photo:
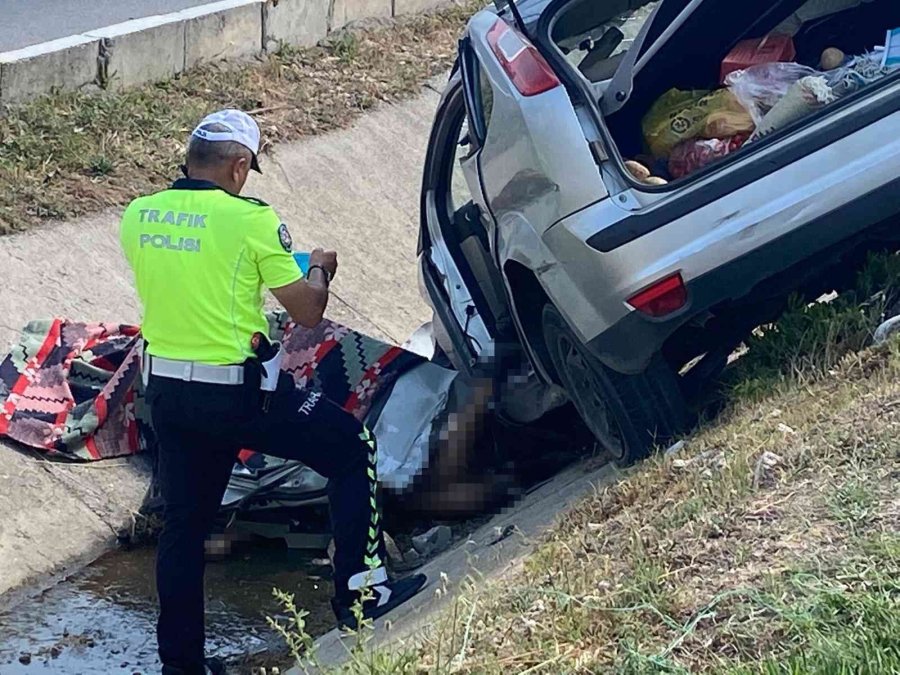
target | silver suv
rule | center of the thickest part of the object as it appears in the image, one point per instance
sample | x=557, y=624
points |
x=552, y=268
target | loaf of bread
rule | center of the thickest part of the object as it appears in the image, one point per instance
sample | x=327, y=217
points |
x=637, y=170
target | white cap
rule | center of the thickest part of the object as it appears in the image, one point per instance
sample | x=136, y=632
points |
x=241, y=129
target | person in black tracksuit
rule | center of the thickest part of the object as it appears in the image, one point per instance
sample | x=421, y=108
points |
x=201, y=254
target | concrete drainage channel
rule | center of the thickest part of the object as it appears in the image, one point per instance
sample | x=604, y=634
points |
x=101, y=620
x=55, y=517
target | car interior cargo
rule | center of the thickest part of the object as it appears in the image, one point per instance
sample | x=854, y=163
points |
x=685, y=86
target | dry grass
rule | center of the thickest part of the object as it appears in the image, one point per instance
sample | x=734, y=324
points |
x=65, y=155
x=769, y=545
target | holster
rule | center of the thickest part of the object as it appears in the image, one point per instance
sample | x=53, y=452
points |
x=269, y=355
x=271, y=369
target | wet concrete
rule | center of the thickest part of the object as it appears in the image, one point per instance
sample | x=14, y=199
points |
x=102, y=620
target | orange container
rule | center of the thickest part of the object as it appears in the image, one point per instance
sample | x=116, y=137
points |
x=770, y=49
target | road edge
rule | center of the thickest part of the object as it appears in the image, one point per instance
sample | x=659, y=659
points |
x=129, y=54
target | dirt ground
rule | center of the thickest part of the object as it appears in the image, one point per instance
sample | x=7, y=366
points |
x=356, y=191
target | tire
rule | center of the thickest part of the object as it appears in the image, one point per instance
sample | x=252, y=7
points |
x=629, y=415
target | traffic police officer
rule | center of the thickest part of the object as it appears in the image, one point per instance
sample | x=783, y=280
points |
x=201, y=254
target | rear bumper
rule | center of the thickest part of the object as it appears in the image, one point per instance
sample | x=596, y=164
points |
x=629, y=344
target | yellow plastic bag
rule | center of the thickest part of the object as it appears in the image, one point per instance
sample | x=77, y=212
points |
x=679, y=116
x=727, y=116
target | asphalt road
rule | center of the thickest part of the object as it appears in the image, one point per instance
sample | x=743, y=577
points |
x=28, y=22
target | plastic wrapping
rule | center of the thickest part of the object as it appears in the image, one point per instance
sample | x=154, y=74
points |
x=405, y=428
x=679, y=116
x=759, y=88
x=691, y=156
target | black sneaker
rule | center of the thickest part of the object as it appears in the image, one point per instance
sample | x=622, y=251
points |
x=210, y=667
x=215, y=667
x=387, y=596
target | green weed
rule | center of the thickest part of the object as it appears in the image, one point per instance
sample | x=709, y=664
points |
x=809, y=339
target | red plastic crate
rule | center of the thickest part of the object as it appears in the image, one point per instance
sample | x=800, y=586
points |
x=770, y=49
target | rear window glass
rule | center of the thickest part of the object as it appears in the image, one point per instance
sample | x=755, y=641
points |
x=593, y=36
x=486, y=95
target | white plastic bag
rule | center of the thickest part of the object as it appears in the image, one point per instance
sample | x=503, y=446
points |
x=760, y=87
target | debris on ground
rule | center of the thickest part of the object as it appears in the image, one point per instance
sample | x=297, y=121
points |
x=764, y=473
x=785, y=429
x=501, y=533
x=436, y=540
x=675, y=448
x=420, y=548
x=395, y=555
x=887, y=330
x=707, y=460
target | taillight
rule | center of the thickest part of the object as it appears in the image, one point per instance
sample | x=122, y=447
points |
x=664, y=297
x=527, y=69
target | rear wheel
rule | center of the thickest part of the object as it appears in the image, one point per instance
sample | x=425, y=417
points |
x=628, y=414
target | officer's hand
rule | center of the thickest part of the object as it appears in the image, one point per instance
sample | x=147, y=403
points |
x=327, y=259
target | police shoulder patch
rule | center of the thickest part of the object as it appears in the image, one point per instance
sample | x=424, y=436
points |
x=285, y=238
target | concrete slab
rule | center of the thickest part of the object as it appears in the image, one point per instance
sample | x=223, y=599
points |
x=300, y=23
x=57, y=516
x=87, y=276
x=30, y=22
x=348, y=11
x=355, y=191
x=358, y=192
x=144, y=50
x=64, y=64
x=229, y=30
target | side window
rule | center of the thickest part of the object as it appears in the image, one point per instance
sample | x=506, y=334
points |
x=478, y=95
x=459, y=189
x=486, y=99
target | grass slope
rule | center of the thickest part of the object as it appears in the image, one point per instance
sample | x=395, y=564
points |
x=65, y=155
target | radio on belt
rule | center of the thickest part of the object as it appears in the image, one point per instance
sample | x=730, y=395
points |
x=270, y=355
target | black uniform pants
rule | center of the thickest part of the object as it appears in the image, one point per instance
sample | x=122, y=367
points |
x=201, y=428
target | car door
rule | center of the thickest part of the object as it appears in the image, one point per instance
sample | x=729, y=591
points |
x=450, y=231
x=458, y=218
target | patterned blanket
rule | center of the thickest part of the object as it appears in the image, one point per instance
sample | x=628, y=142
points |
x=73, y=389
